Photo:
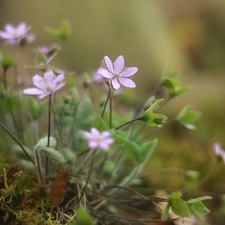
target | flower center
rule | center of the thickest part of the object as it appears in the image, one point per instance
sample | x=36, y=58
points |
x=48, y=87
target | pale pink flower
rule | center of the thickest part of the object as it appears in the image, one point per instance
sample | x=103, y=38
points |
x=45, y=86
x=97, y=139
x=16, y=35
x=219, y=151
x=117, y=73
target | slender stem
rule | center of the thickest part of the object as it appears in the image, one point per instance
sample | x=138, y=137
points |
x=131, y=121
x=73, y=132
x=89, y=175
x=49, y=119
x=106, y=102
x=5, y=79
x=24, y=150
x=110, y=108
x=49, y=130
x=39, y=166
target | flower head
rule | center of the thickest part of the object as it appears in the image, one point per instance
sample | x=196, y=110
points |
x=219, y=151
x=45, y=86
x=97, y=139
x=17, y=35
x=117, y=73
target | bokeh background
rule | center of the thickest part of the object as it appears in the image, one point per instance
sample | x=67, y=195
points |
x=155, y=36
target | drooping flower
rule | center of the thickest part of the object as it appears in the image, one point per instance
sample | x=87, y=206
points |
x=45, y=86
x=97, y=139
x=17, y=35
x=117, y=73
x=219, y=151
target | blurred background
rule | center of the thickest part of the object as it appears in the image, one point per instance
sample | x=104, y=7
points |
x=156, y=36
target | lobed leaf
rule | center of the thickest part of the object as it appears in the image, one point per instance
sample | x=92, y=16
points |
x=44, y=141
x=165, y=212
x=53, y=154
x=179, y=207
x=146, y=150
x=188, y=116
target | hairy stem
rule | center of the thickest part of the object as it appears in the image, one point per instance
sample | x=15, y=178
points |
x=49, y=130
x=131, y=121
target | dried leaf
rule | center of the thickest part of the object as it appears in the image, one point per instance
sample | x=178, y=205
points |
x=59, y=189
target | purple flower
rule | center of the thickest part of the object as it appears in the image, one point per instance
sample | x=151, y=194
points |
x=117, y=73
x=17, y=35
x=97, y=139
x=45, y=86
x=219, y=151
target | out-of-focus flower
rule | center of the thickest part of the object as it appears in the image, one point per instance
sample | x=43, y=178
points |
x=48, y=51
x=17, y=35
x=45, y=86
x=219, y=151
x=97, y=139
x=117, y=73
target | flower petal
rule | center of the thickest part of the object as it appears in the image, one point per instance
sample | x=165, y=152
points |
x=39, y=82
x=119, y=65
x=95, y=132
x=9, y=28
x=5, y=35
x=87, y=135
x=105, y=73
x=93, y=144
x=59, y=78
x=115, y=84
x=33, y=91
x=103, y=145
x=105, y=134
x=45, y=94
x=58, y=87
x=109, y=64
x=129, y=72
x=127, y=82
x=49, y=77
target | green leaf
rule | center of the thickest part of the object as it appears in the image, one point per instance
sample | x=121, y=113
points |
x=132, y=150
x=200, y=208
x=68, y=155
x=153, y=119
x=202, y=198
x=43, y=142
x=21, y=154
x=155, y=105
x=63, y=32
x=10, y=103
x=99, y=123
x=194, y=213
x=83, y=218
x=109, y=166
x=165, y=212
x=36, y=108
x=180, y=91
x=146, y=150
x=53, y=154
x=179, y=207
x=175, y=195
x=172, y=85
x=188, y=116
x=41, y=60
x=7, y=60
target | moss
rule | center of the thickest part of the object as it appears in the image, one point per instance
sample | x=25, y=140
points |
x=23, y=199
